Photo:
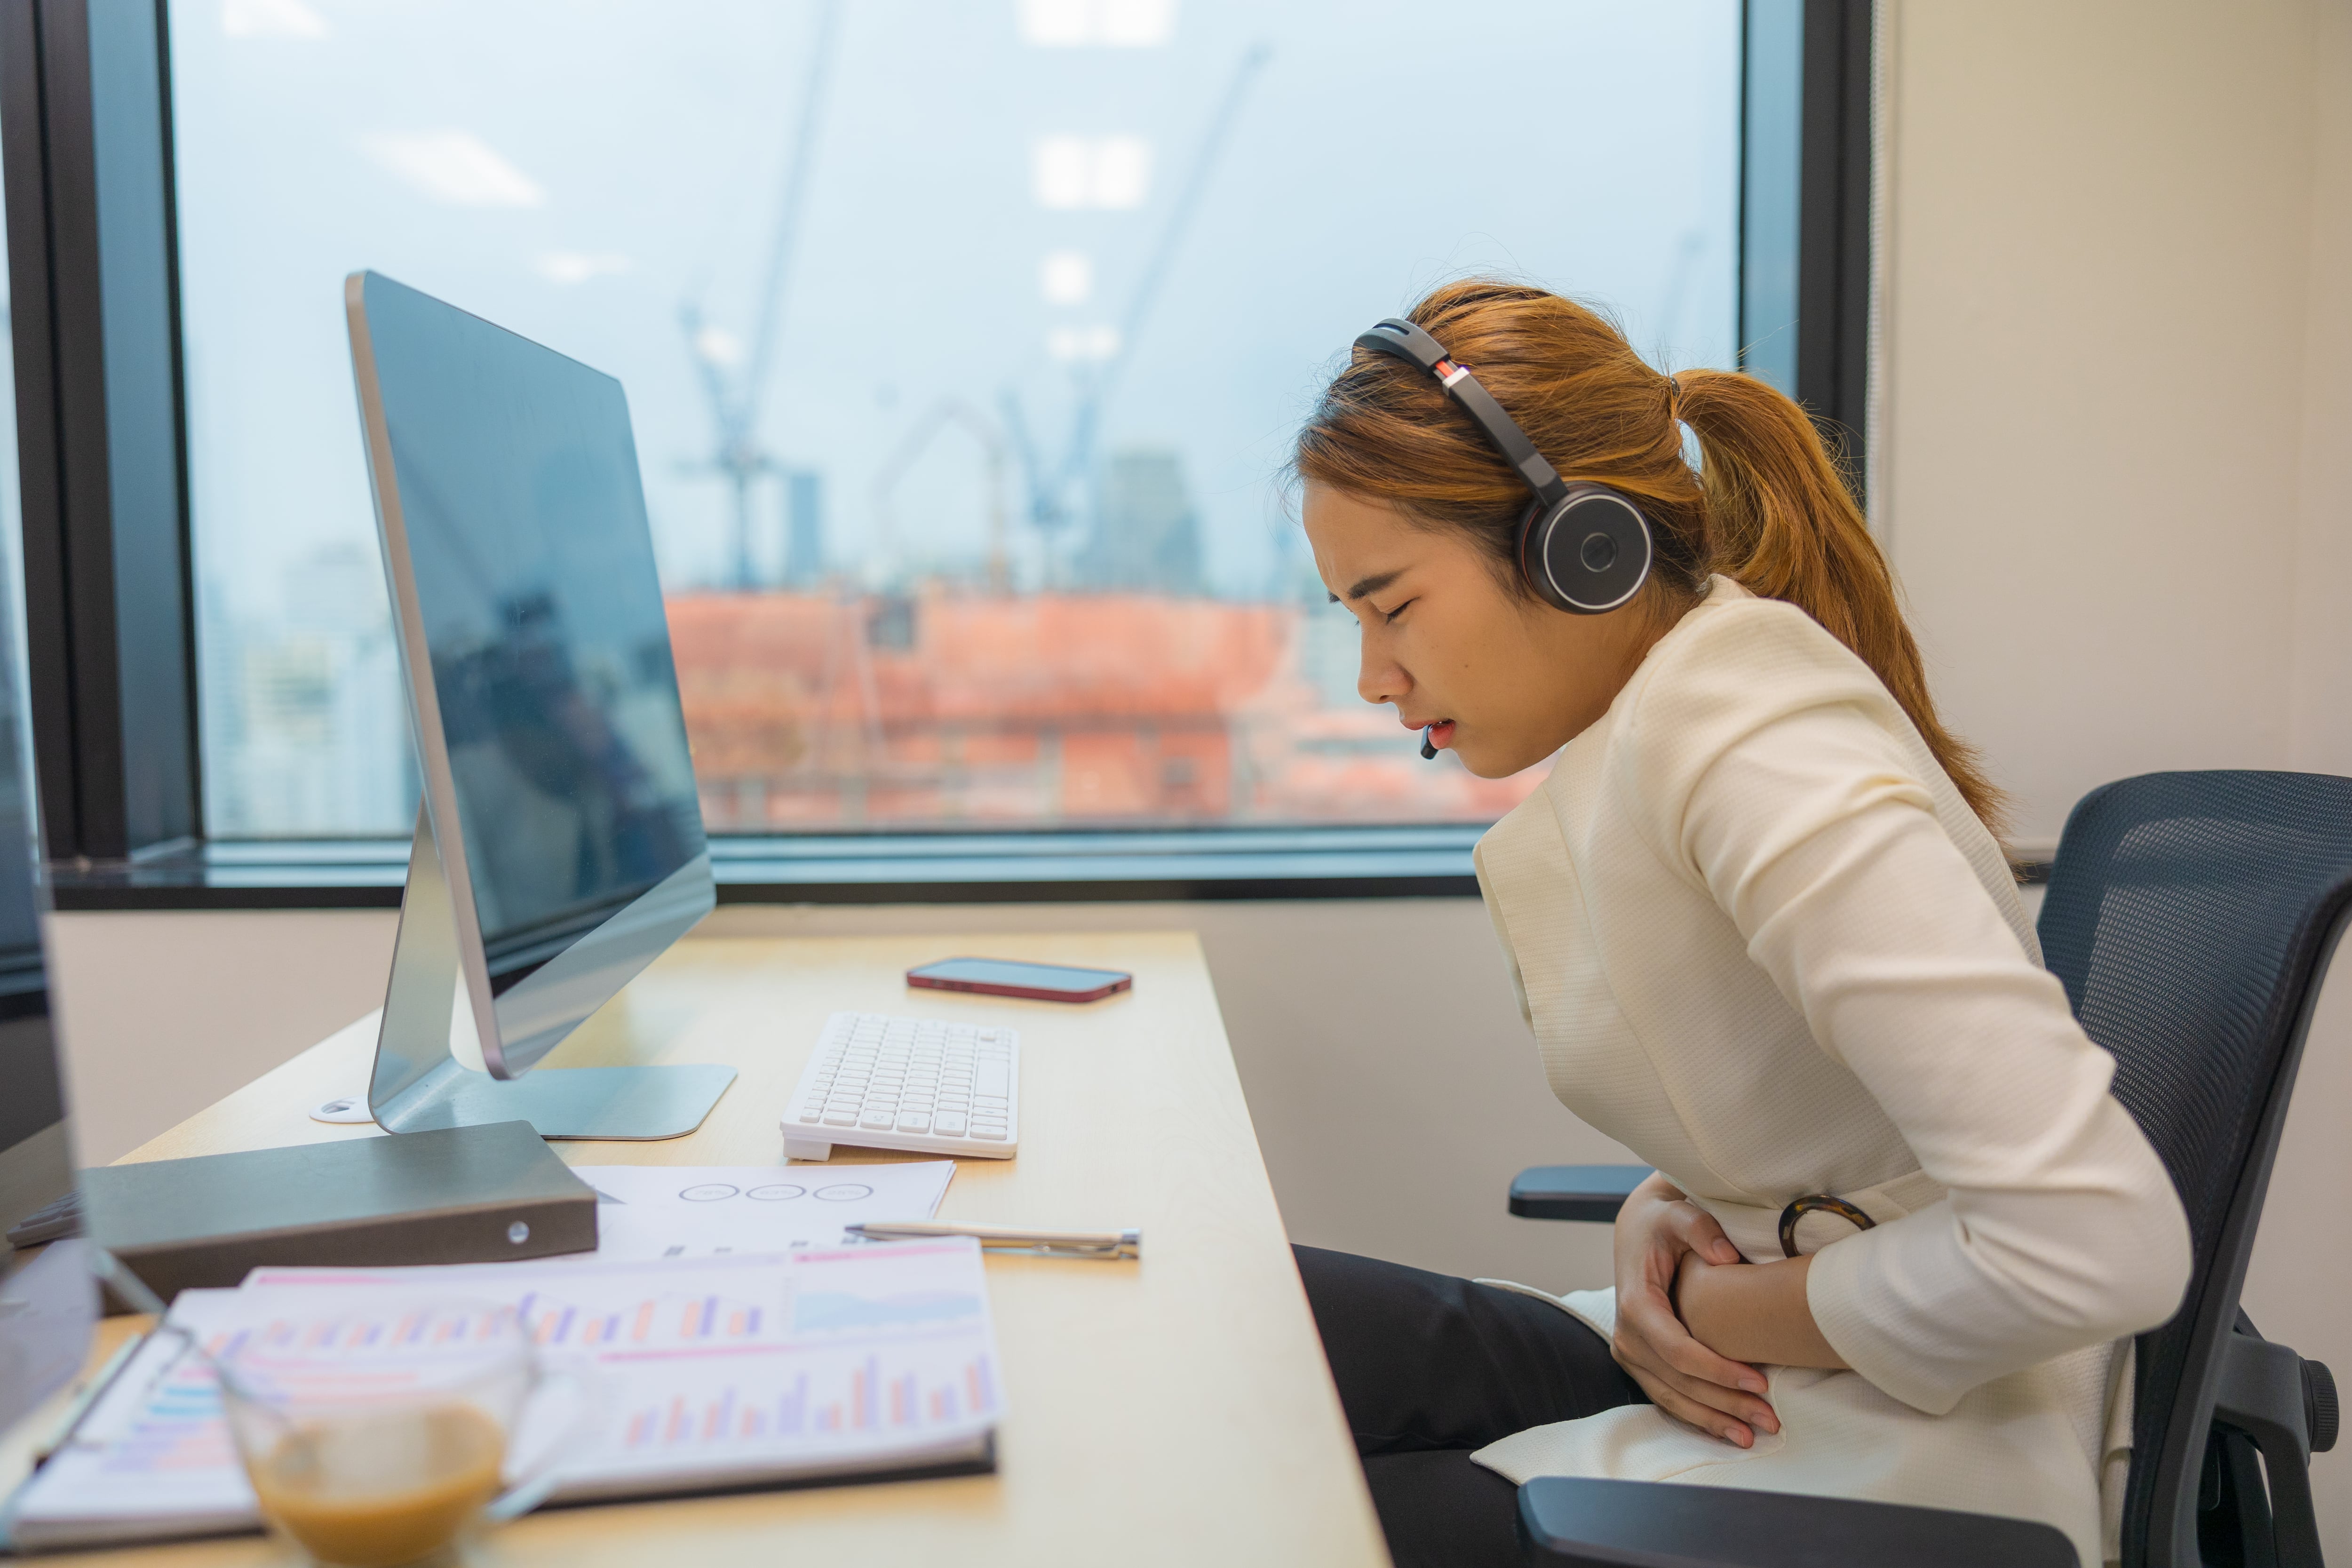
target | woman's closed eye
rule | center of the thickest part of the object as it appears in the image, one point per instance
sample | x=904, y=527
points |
x=1391, y=615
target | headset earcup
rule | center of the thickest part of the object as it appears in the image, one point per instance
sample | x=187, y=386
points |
x=1588, y=553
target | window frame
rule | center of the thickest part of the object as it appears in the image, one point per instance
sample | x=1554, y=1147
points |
x=93, y=257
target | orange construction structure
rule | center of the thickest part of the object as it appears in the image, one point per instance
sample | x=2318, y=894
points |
x=849, y=709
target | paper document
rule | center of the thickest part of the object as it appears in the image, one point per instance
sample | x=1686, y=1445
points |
x=719, y=1371
x=703, y=1211
x=150, y=1458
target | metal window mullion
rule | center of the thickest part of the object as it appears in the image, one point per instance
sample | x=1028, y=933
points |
x=108, y=607
x=1833, y=225
x=24, y=142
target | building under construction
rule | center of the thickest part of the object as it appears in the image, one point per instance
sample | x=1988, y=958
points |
x=945, y=706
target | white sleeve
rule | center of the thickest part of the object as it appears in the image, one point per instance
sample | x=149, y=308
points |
x=2060, y=1228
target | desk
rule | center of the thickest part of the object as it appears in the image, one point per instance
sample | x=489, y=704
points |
x=1172, y=1411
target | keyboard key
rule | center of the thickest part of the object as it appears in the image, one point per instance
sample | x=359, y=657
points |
x=993, y=1134
x=948, y=1124
x=995, y=1080
x=879, y=1120
x=815, y=1114
x=914, y=1121
x=841, y=1118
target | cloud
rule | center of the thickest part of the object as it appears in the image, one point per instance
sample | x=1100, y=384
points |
x=453, y=166
x=271, y=19
x=718, y=346
x=580, y=266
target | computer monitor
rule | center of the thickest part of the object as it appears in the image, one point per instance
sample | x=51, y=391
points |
x=47, y=1302
x=559, y=845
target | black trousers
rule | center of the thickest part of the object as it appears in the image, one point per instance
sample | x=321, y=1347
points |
x=1430, y=1367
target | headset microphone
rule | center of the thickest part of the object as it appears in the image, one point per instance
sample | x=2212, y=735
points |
x=1428, y=746
x=1582, y=548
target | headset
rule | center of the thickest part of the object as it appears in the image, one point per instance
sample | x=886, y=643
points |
x=1582, y=548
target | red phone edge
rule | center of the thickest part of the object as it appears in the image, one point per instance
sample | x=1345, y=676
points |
x=1027, y=993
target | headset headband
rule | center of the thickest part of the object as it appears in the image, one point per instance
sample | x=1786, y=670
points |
x=1584, y=548
x=1400, y=339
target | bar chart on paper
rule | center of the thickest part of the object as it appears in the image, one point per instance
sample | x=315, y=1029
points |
x=176, y=1430
x=715, y=1364
x=869, y=1345
x=770, y=1399
x=577, y=1321
x=699, y=1374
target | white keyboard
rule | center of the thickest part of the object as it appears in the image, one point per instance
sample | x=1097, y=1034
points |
x=908, y=1083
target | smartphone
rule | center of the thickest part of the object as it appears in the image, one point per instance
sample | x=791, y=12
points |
x=1038, y=982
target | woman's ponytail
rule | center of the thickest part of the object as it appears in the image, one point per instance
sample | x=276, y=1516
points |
x=1782, y=524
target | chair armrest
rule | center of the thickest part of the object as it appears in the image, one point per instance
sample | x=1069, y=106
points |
x=1574, y=1192
x=1573, y=1522
x=2287, y=1406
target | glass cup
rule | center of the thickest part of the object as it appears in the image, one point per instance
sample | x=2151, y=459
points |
x=381, y=1436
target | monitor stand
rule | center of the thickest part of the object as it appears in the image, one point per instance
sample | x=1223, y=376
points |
x=418, y=1084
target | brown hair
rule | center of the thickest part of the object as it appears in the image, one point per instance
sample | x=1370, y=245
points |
x=1768, y=508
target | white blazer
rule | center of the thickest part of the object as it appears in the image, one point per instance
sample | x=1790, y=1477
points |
x=1763, y=942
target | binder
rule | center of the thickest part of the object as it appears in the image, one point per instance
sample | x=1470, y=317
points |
x=460, y=1195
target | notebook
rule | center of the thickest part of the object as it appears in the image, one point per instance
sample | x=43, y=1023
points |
x=708, y=1375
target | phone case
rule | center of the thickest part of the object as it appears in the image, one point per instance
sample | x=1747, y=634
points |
x=916, y=977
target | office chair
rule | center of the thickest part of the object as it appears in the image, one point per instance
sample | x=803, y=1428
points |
x=2191, y=917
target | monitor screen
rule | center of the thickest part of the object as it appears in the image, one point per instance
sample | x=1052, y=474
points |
x=533, y=570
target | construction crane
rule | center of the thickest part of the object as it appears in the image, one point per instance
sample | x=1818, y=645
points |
x=1050, y=484
x=948, y=411
x=736, y=454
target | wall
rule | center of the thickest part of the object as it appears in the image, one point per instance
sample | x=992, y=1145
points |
x=2103, y=469
x=2322, y=715
x=163, y=1013
x=2116, y=308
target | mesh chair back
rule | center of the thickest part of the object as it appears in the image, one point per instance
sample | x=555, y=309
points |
x=2191, y=915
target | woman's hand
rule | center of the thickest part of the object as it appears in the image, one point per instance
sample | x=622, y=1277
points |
x=1656, y=1230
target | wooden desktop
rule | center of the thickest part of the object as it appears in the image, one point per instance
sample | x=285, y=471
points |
x=1174, y=1410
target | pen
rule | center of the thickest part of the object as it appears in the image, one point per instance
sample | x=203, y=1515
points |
x=1105, y=1244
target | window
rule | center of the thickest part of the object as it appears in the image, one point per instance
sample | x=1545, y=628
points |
x=964, y=341
x=19, y=929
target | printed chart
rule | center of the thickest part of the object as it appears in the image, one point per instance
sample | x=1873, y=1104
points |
x=791, y=1400
x=865, y=1341
x=179, y=1429
x=700, y=1373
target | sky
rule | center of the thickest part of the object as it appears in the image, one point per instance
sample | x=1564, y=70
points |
x=986, y=183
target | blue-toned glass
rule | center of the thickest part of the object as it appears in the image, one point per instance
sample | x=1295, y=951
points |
x=965, y=342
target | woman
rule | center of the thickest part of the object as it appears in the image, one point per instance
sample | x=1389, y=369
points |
x=1765, y=936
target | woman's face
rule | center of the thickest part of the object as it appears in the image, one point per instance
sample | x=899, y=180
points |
x=1507, y=680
